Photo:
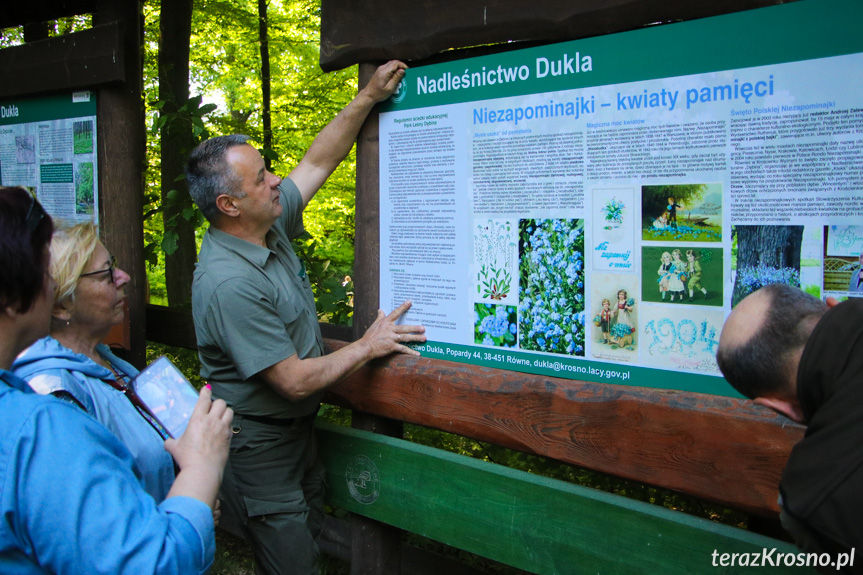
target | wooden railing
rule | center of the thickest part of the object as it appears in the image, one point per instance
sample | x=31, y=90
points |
x=714, y=448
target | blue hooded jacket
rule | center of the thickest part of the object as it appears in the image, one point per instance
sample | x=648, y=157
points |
x=49, y=367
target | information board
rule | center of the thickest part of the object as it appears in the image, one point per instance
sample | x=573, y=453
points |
x=48, y=145
x=594, y=209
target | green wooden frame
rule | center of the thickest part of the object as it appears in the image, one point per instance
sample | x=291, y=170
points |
x=531, y=522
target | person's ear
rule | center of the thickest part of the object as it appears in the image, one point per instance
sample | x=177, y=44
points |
x=62, y=312
x=228, y=205
x=789, y=409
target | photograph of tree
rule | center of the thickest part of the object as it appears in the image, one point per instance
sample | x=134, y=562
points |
x=765, y=255
x=84, y=202
x=82, y=137
x=682, y=213
x=25, y=149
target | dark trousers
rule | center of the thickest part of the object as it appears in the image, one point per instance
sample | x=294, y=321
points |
x=273, y=486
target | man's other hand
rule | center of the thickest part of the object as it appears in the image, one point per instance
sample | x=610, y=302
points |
x=384, y=336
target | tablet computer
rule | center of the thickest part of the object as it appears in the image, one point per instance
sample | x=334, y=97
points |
x=167, y=393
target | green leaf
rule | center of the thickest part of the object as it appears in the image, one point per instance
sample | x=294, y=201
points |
x=169, y=242
x=160, y=123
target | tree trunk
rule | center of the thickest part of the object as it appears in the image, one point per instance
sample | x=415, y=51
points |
x=265, y=78
x=175, y=27
x=776, y=247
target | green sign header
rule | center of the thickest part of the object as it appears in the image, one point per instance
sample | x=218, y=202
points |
x=28, y=110
x=802, y=30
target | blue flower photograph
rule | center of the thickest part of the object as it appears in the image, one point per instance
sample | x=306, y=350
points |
x=551, y=285
x=495, y=324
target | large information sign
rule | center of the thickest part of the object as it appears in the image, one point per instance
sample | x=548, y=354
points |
x=594, y=209
x=48, y=145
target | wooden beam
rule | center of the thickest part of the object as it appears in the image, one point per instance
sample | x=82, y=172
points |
x=378, y=30
x=715, y=448
x=531, y=522
x=21, y=13
x=376, y=546
x=83, y=60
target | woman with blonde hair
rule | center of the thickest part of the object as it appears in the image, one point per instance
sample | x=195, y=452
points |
x=73, y=364
x=69, y=490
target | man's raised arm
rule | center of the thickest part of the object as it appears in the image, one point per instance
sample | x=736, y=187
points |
x=335, y=141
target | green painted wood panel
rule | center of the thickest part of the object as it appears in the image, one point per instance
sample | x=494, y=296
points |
x=534, y=523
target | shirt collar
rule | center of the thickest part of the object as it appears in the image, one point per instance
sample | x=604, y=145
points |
x=256, y=254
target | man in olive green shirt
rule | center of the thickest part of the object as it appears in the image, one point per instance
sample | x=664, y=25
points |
x=258, y=336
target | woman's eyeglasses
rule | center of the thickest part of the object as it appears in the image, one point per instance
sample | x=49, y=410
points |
x=109, y=270
x=35, y=214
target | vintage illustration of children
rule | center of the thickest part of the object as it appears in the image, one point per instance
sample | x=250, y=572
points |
x=677, y=277
x=624, y=329
x=672, y=212
x=661, y=222
x=693, y=270
x=681, y=213
x=604, y=320
x=664, y=272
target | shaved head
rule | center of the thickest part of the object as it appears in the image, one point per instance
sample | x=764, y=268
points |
x=745, y=320
x=761, y=341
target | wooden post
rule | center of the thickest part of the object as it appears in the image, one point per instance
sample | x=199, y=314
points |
x=375, y=547
x=121, y=166
x=367, y=218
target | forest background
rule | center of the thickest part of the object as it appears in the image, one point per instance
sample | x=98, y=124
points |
x=251, y=67
x=216, y=67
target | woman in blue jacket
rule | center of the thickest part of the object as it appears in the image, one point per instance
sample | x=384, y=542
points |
x=73, y=363
x=69, y=493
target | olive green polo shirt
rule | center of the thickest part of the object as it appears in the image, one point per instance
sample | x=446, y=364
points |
x=254, y=307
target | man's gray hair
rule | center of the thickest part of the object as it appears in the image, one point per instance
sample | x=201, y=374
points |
x=209, y=175
x=760, y=366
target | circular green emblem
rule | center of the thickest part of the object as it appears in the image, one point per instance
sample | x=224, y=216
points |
x=363, y=480
x=400, y=92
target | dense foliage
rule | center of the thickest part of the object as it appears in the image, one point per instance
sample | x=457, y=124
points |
x=225, y=82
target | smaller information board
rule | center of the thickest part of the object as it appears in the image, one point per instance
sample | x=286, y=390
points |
x=48, y=145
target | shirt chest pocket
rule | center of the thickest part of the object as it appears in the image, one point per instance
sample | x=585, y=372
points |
x=288, y=311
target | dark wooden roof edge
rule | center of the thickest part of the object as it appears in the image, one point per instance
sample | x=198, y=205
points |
x=16, y=13
x=379, y=30
x=83, y=60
